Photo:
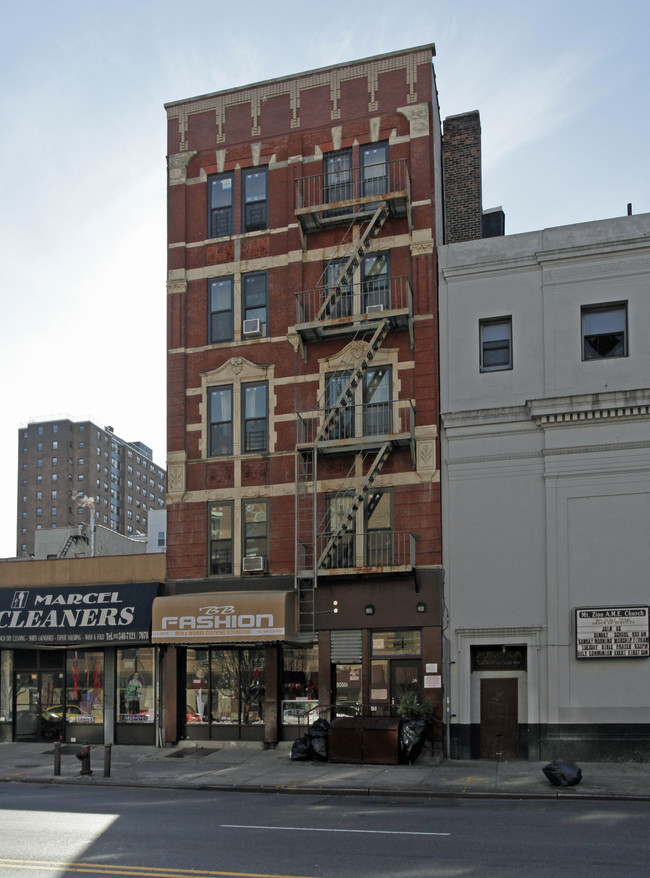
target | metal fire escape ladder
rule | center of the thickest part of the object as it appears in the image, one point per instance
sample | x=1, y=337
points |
x=346, y=396
x=72, y=539
x=358, y=251
x=305, y=552
x=307, y=560
x=325, y=559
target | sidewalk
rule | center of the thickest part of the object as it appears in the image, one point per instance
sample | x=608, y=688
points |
x=255, y=770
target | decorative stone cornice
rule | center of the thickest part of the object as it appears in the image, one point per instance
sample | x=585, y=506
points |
x=178, y=167
x=590, y=407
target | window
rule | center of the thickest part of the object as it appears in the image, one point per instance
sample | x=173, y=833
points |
x=343, y=306
x=341, y=522
x=220, y=307
x=220, y=200
x=136, y=692
x=220, y=538
x=374, y=168
x=377, y=408
x=375, y=281
x=255, y=202
x=254, y=298
x=341, y=422
x=379, y=529
x=255, y=520
x=496, y=344
x=255, y=417
x=337, y=173
x=220, y=439
x=604, y=331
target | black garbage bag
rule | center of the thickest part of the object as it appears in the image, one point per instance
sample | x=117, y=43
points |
x=320, y=729
x=301, y=749
x=563, y=773
x=412, y=735
x=319, y=748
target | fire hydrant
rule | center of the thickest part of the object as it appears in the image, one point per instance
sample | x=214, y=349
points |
x=84, y=756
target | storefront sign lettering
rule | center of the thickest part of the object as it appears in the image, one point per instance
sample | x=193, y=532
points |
x=61, y=615
x=223, y=617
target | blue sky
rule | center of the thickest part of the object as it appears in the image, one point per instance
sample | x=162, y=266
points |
x=562, y=89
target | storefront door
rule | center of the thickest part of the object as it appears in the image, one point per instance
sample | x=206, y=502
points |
x=404, y=679
x=39, y=705
x=499, y=718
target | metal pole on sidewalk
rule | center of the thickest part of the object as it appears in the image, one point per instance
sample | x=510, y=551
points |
x=57, y=758
x=107, y=760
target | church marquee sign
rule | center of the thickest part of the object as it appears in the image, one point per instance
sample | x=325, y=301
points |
x=612, y=632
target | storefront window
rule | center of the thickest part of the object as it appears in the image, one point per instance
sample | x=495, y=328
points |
x=6, y=688
x=84, y=685
x=396, y=643
x=348, y=690
x=135, y=684
x=197, y=687
x=237, y=686
x=299, y=684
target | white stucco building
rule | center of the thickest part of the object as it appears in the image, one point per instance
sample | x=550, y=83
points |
x=545, y=401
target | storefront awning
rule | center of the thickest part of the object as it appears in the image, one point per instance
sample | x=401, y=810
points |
x=224, y=617
x=71, y=615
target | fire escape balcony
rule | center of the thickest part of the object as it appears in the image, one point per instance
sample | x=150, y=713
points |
x=325, y=312
x=330, y=199
x=355, y=427
x=380, y=551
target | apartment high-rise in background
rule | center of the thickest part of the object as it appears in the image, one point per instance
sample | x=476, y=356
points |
x=66, y=468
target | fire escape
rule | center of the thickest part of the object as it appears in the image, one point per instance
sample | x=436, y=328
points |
x=365, y=433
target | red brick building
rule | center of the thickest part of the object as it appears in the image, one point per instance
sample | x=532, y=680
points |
x=304, y=544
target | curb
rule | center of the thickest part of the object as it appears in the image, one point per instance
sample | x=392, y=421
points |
x=282, y=789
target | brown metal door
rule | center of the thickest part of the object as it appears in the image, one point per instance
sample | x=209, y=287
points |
x=499, y=718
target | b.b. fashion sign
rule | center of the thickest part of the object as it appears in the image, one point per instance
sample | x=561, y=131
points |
x=89, y=614
x=221, y=617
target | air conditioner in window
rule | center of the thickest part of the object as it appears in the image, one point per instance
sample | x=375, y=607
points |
x=252, y=328
x=255, y=564
x=375, y=309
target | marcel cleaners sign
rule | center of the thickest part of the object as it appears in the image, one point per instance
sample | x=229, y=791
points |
x=107, y=614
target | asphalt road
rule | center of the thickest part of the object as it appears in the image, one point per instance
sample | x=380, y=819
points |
x=64, y=831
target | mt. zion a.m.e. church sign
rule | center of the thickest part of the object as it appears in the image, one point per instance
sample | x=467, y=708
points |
x=612, y=632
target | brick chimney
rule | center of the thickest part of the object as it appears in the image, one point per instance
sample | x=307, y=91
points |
x=461, y=173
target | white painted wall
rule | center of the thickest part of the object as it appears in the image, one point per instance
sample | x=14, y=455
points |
x=546, y=467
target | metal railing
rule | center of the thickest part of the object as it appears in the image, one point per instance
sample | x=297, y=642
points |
x=357, y=422
x=374, y=549
x=350, y=187
x=368, y=299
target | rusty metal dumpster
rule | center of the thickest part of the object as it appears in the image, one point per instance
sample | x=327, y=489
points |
x=371, y=739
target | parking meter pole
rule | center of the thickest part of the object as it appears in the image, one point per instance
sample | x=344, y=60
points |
x=107, y=760
x=57, y=758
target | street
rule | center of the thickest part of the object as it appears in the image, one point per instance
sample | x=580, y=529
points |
x=49, y=830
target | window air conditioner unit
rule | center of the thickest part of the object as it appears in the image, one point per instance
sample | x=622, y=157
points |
x=252, y=328
x=375, y=309
x=255, y=564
